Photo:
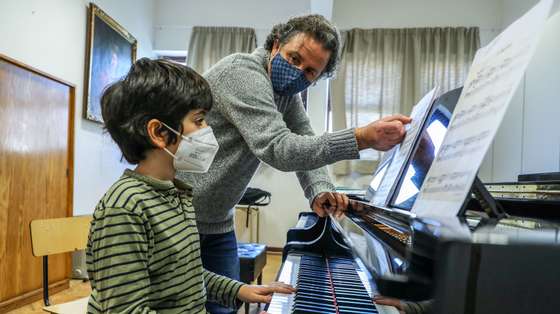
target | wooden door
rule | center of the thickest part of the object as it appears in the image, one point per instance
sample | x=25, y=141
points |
x=36, y=158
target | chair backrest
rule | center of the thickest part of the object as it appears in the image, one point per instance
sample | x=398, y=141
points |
x=59, y=235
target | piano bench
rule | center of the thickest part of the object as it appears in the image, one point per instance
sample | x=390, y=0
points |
x=252, y=259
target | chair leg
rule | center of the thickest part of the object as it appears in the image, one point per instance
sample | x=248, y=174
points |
x=46, y=280
x=246, y=307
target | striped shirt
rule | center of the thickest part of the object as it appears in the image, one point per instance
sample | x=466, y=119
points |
x=143, y=252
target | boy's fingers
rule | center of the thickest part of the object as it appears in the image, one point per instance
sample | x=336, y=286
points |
x=281, y=287
x=262, y=299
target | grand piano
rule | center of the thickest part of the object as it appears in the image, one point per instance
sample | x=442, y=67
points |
x=339, y=265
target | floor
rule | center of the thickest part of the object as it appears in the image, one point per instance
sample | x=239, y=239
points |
x=79, y=289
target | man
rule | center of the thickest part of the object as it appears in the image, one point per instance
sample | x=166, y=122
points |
x=258, y=116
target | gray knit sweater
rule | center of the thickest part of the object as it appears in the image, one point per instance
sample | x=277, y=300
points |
x=253, y=124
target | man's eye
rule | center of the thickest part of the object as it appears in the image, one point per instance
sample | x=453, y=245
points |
x=295, y=61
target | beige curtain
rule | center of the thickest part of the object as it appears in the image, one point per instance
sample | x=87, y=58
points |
x=210, y=44
x=386, y=71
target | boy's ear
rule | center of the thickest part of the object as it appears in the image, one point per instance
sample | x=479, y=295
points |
x=157, y=137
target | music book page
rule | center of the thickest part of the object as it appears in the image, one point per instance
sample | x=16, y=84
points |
x=402, y=152
x=496, y=72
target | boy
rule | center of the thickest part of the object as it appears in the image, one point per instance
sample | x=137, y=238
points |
x=143, y=253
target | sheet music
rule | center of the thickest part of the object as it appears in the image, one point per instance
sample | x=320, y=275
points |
x=402, y=151
x=494, y=76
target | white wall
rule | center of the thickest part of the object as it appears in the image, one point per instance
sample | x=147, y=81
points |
x=50, y=35
x=528, y=140
x=323, y=7
x=174, y=19
x=485, y=14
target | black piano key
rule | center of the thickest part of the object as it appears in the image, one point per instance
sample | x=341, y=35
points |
x=305, y=310
x=314, y=287
x=313, y=309
x=314, y=295
x=322, y=280
x=315, y=303
x=358, y=311
x=354, y=309
x=351, y=300
x=348, y=292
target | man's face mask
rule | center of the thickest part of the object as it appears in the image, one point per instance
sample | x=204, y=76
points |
x=196, y=151
x=286, y=79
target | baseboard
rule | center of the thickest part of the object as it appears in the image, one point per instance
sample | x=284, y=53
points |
x=32, y=296
x=274, y=250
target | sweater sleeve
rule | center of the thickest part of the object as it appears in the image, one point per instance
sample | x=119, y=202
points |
x=244, y=97
x=313, y=182
x=422, y=307
x=221, y=289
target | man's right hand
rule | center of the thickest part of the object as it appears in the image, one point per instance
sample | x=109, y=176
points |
x=382, y=134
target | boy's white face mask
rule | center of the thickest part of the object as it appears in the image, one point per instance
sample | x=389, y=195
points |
x=196, y=151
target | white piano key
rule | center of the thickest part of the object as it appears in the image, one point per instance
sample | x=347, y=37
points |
x=282, y=303
x=384, y=309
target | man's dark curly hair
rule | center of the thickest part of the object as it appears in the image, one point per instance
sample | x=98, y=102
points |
x=152, y=89
x=314, y=25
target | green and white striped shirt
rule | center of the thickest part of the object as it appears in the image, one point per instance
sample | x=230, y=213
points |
x=143, y=252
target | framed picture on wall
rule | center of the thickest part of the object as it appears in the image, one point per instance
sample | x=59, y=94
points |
x=111, y=50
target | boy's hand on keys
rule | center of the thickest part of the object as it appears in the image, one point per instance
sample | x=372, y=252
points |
x=263, y=294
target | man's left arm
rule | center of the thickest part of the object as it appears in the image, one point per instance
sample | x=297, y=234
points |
x=316, y=184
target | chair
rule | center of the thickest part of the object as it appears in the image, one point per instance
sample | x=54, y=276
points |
x=55, y=236
x=252, y=259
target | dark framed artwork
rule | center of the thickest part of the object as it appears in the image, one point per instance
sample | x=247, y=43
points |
x=111, y=50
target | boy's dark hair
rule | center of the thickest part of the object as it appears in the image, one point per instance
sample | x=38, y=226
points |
x=314, y=25
x=152, y=89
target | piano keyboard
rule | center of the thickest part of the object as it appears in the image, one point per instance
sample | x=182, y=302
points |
x=324, y=285
x=330, y=286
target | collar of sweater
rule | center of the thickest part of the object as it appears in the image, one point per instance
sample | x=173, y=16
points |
x=160, y=185
x=264, y=56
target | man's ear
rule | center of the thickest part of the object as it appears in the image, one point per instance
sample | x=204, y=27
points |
x=275, y=47
x=157, y=137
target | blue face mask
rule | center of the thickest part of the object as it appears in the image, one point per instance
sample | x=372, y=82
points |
x=286, y=79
